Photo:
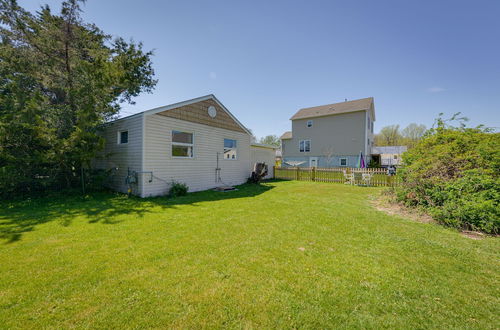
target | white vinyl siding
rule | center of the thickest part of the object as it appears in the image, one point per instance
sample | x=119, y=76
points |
x=198, y=172
x=119, y=158
x=263, y=155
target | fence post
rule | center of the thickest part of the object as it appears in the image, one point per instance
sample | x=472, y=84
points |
x=313, y=174
x=274, y=172
x=297, y=174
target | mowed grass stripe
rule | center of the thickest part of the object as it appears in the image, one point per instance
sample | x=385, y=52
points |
x=283, y=254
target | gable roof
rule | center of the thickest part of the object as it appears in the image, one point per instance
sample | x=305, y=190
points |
x=184, y=103
x=196, y=100
x=286, y=135
x=335, y=108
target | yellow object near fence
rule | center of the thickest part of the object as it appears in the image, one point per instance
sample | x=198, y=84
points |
x=356, y=176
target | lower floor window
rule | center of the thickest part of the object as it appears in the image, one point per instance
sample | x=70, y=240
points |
x=305, y=146
x=182, y=144
x=230, y=151
x=343, y=161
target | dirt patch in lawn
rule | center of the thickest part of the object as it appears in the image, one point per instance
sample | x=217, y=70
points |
x=385, y=204
x=473, y=234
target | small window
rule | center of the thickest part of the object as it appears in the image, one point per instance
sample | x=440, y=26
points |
x=305, y=146
x=123, y=137
x=372, y=126
x=368, y=142
x=369, y=123
x=230, y=150
x=343, y=161
x=182, y=144
x=395, y=156
x=309, y=123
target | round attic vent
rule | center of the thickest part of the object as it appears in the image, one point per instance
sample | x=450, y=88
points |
x=212, y=112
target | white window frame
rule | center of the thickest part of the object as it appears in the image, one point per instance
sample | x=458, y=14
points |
x=340, y=161
x=309, y=123
x=236, y=149
x=119, y=138
x=304, y=141
x=181, y=144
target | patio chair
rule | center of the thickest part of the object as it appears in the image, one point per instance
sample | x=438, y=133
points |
x=349, y=177
x=366, y=178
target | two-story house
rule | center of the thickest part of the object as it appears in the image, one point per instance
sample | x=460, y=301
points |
x=330, y=135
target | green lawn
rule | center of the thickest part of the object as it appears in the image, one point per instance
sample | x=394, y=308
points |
x=285, y=254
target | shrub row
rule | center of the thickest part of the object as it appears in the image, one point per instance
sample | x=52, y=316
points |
x=454, y=174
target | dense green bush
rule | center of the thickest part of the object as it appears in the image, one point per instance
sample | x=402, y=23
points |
x=177, y=189
x=454, y=174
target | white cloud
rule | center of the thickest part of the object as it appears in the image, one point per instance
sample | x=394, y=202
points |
x=436, y=89
x=212, y=75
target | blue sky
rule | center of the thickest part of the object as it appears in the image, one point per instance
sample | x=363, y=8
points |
x=266, y=59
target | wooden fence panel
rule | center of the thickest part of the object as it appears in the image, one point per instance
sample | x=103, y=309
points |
x=379, y=177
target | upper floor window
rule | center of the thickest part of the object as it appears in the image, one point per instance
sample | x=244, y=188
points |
x=122, y=137
x=372, y=126
x=369, y=125
x=230, y=151
x=309, y=123
x=305, y=146
x=182, y=144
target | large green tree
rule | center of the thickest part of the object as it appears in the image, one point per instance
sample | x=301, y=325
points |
x=60, y=79
x=271, y=140
x=388, y=136
x=412, y=134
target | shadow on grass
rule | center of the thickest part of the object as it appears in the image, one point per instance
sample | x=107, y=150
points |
x=19, y=217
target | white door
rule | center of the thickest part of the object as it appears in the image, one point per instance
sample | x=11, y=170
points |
x=313, y=161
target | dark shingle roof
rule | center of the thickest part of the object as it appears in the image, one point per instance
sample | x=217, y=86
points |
x=335, y=108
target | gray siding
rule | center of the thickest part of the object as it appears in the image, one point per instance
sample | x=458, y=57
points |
x=352, y=161
x=197, y=172
x=345, y=134
x=121, y=157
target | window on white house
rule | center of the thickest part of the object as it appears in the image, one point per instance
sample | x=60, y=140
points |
x=395, y=156
x=182, y=144
x=372, y=126
x=343, y=161
x=309, y=123
x=305, y=146
x=369, y=123
x=368, y=142
x=123, y=137
x=230, y=150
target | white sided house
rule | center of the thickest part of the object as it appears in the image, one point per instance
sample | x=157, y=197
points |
x=197, y=142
